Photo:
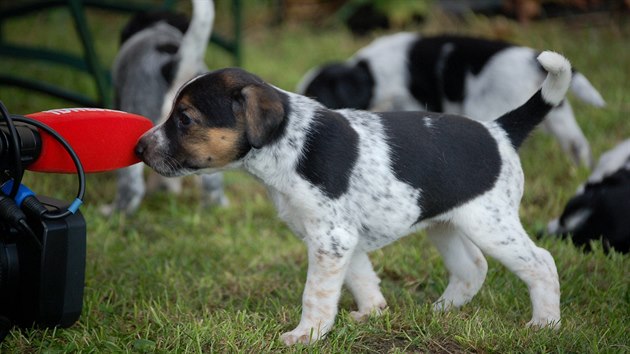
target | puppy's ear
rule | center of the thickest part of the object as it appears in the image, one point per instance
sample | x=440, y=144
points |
x=261, y=108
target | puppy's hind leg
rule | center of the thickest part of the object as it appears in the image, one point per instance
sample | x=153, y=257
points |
x=363, y=283
x=499, y=234
x=465, y=263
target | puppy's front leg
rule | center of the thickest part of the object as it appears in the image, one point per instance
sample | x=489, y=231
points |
x=328, y=260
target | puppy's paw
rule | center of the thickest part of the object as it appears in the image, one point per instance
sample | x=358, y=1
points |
x=540, y=323
x=298, y=336
x=443, y=305
x=361, y=316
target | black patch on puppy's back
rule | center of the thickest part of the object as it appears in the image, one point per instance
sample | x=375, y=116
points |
x=329, y=153
x=450, y=159
x=436, y=74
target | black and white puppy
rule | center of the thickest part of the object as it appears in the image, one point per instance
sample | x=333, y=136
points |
x=478, y=78
x=349, y=182
x=154, y=52
x=601, y=207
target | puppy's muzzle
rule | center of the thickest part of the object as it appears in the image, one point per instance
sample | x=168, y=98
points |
x=142, y=147
x=146, y=150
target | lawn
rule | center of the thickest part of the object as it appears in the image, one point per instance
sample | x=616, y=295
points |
x=175, y=277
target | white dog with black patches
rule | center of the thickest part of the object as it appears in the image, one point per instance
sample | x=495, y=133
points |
x=478, y=78
x=349, y=182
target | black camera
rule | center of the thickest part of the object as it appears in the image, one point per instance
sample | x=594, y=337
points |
x=43, y=286
x=42, y=240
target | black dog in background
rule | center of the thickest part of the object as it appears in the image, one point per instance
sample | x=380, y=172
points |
x=601, y=207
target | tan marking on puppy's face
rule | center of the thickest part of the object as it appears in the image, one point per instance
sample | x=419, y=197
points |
x=216, y=147
x=206, y=146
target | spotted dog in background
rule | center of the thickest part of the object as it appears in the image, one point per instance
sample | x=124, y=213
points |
x=478, y=78
x=156, y=48
x=349, y=182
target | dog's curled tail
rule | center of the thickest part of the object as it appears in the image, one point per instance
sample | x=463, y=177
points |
x=521, y=121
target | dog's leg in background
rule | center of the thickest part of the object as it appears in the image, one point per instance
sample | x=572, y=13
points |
x=465, y=263
x=329, y=254
x=363, y=283
x=212, y=190
x=156, y=182
x=560, y=122
x=130, y=190
x=499, y=234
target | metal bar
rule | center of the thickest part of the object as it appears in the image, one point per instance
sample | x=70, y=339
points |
x=23, y=52
x=48, y=89
x=21, y=10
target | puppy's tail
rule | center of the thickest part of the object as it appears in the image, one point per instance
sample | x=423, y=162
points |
x=521, y=121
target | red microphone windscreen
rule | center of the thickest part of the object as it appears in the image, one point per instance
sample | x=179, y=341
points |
x=103, y=139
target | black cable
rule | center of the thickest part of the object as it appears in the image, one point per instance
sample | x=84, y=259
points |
x=73, y=156
x=11, y=212
x=18, y=171
x=25, y=228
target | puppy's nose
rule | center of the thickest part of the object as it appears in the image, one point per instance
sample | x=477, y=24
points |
x=141, y=147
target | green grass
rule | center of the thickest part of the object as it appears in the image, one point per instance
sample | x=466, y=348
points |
x=179, y=278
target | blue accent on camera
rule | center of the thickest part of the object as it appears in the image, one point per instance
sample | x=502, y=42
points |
x=75, y=205
x=22, y=192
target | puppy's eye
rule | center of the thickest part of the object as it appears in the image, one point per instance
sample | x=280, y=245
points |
x=184, y=119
